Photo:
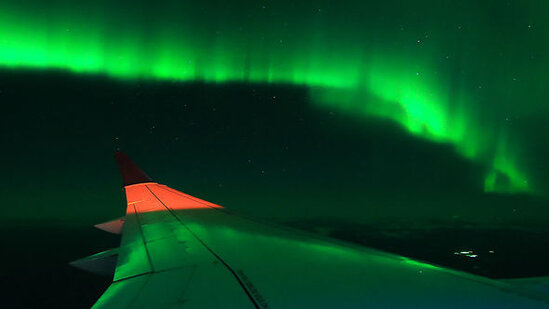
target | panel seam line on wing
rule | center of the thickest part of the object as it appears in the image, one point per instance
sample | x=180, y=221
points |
x=143, y=238
x=252, y=299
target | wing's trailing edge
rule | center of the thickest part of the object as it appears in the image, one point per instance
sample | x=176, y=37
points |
x=131, y=173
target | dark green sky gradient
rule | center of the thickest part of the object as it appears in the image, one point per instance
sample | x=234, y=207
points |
x=236, y=145
x=352, y=109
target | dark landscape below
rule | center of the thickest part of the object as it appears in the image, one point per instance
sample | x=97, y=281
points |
x=36, y=271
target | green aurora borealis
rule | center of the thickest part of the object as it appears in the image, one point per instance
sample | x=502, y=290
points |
x=414, y=69
x=415, y=127
x=469, y=75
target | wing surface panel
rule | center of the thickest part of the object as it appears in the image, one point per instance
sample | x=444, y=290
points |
x=123, y=293
x=540, y=284
x=283, y=268
x=165, y=263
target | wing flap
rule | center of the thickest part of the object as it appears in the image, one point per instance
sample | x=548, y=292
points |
x=113, y=226
x=102, y=263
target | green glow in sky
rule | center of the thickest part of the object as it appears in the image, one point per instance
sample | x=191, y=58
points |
x=383, y=63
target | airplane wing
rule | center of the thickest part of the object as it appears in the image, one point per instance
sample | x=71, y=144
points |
x=180, y=251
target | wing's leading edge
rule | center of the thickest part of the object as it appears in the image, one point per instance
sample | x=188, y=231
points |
x=178, y=250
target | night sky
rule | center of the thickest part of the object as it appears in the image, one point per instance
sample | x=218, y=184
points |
x=339, y=116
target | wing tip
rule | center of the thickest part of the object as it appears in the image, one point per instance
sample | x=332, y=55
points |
x=131, y=173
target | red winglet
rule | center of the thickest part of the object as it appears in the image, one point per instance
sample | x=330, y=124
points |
x=131, y=173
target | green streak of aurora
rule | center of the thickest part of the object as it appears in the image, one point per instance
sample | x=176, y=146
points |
x=362, y=72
